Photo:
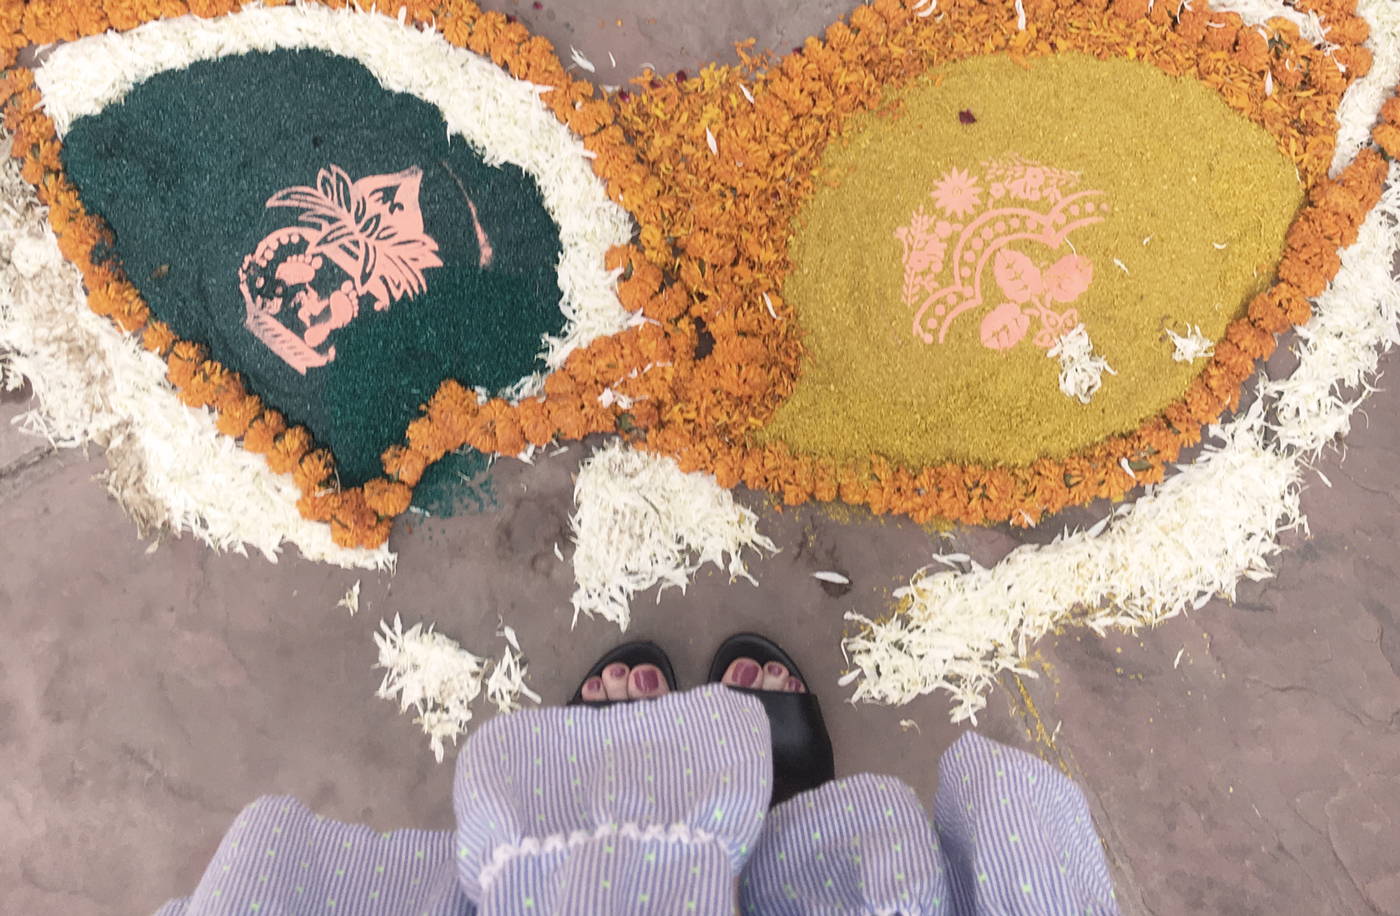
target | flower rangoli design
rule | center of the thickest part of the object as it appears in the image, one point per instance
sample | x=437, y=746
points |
x=1011, y=221
x=362, y=243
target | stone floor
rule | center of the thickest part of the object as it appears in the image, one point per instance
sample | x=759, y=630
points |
x=1243, y=760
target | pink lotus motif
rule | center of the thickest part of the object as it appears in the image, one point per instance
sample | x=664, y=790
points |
x=1004, y=326
x=993, y=223
x=362, y=243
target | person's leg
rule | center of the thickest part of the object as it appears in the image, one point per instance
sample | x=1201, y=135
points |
x=862, y=844
x=650, y=806
x=1017, y=834
x=280, y=858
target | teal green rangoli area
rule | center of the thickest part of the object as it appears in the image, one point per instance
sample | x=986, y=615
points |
x=182, y=170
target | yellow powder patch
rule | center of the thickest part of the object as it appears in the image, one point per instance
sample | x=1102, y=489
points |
x=1183, y=208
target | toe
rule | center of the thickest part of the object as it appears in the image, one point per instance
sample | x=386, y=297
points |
x=646, y=682
x=742, y=672
x=796, y=686
x=775, y=677
x=593, y=690
x=615, y=681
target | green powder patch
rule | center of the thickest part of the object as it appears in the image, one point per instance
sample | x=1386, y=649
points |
x=460, y=483
x=182, y=170
x=1198, y=201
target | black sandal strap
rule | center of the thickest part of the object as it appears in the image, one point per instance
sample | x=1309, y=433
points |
x=630, y=654
x=802, y=755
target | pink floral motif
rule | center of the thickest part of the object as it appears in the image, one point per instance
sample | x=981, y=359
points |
x=1017, y=276
x=957, y=193
x=947, y=256
x=1068, y=278
x=1004, y=326
x=924, y=251
x=362, y=243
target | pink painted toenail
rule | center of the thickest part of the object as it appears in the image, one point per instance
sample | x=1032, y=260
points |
x=647, y=680
x=745, y=674
x=617, y=672
x=794, y=685
x=775, y=669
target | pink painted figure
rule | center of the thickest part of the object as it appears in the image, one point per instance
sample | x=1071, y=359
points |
x=363, y=243
x=996, y=217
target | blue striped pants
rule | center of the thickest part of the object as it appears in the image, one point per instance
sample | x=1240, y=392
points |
x=661, y=807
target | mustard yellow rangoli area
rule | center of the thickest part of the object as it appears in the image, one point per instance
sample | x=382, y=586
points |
x=1198, y=201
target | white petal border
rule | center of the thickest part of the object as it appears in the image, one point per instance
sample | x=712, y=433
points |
x=1198, y=533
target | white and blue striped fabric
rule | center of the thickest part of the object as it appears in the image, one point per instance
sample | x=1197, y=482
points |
x=661, y=807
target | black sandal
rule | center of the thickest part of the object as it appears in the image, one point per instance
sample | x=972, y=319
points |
x=630, y=654
x=802, y=757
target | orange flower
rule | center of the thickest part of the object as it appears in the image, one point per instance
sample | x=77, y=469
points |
x=125, y=14
x=567, y=419
x=485, y=31
x=672, y=303
x=1310, y=266
x=376, y=534
x=635, y=293
x=1131, y=10
x=184, y=358
x=535, y=425
x=1347, y=30
x=510, y=438
x=352, y=520
x=315, y=471
x=537, y=63
x=430, y=439
x=619, y=257
x=1203, y=404
x=1269, y=311
x=452, y=408
x=404, y=464
x=1193, y=23
x=591, y=117
x=387, y=497
x=1252, y=50
x=1365, y=179
x=234, y=418
x=1390, y=111
x=1387, y=136
x=211, y=8
x=1357, y=59
x=288, y=449
x=560, y=385
x=1252, y=340
x=262, y=433
x=1315, y=224
x=319, y=506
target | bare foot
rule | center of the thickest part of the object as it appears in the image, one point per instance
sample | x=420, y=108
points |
x=618, y=682
x=745, y=672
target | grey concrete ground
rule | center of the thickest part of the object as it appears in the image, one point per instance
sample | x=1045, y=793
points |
x=146, y=696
